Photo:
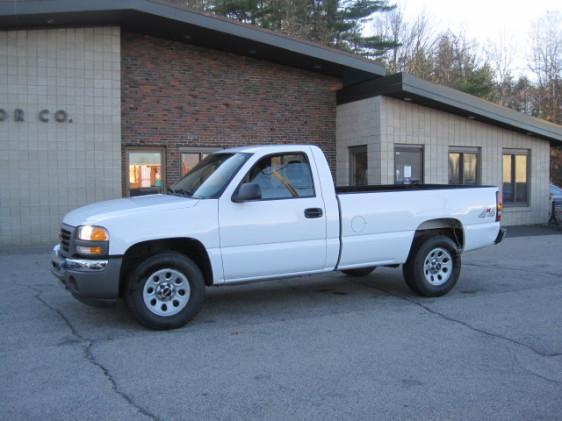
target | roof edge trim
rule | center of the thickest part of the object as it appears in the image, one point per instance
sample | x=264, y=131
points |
x=403, y=85
x=170, y=12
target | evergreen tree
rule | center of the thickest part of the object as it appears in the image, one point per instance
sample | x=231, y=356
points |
x=456, y=65
x=336, y=23
x=349, y=18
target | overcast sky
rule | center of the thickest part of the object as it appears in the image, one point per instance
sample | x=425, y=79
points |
x=485, y=20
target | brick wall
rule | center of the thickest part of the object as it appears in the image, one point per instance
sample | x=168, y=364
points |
x=177, y=95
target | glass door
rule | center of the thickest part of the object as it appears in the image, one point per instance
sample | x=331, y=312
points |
x=358, y=164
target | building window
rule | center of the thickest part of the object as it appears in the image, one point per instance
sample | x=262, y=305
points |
x=146, y=171
x=516, y=177
x=464, y=166
x=358, y=164
x=408, y=164
x=190, y=157
x=282, y=176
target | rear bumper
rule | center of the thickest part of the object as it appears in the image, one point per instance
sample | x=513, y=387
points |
x=500, y=236
x=93, y=282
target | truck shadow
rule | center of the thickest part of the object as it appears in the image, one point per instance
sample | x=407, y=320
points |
x=325, y=292
x=262, y=302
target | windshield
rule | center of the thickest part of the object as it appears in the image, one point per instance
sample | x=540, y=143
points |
x=210, y=177
x=555, y=190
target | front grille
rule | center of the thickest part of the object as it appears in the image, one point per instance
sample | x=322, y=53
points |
x=65, y=237
x=65, y=240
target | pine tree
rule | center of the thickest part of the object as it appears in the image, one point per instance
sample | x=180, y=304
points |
x=336, y=23
x=457, y=66
x=350, y=16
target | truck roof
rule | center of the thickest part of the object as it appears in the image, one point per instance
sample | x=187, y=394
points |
x=268, y=148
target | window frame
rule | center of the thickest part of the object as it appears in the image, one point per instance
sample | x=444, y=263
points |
x=466, y=150
x=398, y=147
x=513, y=153
x=194, y=150
x=163, y=167
x=352, y=151
x=235, y=192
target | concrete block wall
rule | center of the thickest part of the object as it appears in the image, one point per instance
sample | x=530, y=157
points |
x=47, y=167
x=401, y=122
x=358, y=123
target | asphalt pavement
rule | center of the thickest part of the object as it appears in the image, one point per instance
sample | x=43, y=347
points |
x=324, y=347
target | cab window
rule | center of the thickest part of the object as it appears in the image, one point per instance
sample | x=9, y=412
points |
x=282, y=176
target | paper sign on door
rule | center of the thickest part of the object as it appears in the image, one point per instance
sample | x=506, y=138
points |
x=407, y=171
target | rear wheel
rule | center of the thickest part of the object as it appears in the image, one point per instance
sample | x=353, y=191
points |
x=359, y=272
x=434, y=266
x=165, y=291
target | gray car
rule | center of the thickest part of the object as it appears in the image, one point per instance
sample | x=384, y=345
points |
x=555, y=192
x=556, y=200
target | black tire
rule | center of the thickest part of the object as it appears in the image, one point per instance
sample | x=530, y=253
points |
x=415, y=269
x=180, y=265
x=357, y=273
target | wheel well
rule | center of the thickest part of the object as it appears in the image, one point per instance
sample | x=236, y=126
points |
x=450, y=227
x=187, y=246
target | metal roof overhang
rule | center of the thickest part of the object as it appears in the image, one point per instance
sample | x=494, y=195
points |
x=417, y=91
x=166, y=21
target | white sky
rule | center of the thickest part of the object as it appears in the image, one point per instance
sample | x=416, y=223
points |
x=486, y=21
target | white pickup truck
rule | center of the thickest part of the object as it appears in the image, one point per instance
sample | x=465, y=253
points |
x=265, y=212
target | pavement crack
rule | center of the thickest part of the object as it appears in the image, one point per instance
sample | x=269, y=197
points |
x=87, y=344
x=535, y=374
x=63, y=317
x=92, y=359
x=465, y=324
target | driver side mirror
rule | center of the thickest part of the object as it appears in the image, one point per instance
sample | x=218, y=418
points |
x=247, y=192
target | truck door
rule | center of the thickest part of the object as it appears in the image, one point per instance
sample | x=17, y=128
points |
x=283, y=232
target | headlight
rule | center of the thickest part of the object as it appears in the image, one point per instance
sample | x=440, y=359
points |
x=92, y=240
x=92, y=233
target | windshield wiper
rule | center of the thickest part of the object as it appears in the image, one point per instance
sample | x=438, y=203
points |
x=180, y=191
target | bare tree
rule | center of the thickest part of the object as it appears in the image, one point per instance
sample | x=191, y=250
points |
x=546, y=65
x=414, y=40
x=500, y=55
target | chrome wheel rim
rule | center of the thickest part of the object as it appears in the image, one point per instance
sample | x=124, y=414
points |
x=438, y=266
x=166, y=292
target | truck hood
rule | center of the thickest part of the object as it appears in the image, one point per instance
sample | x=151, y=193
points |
x=98, y=213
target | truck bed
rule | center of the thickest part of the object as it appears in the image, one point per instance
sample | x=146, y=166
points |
x=382, y=226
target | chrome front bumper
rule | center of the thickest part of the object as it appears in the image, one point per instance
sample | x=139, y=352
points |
x=60, y=263
x=92, y=281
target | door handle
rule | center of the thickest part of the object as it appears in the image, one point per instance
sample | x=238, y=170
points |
x=313, y=213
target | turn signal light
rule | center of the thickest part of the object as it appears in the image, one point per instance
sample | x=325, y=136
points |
x=499, y=206
x=92, y=251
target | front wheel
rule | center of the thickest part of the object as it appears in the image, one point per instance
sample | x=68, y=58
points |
x=433, y=267
x=165, y=291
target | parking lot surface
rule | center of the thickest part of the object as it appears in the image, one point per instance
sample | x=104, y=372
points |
x=322, y=347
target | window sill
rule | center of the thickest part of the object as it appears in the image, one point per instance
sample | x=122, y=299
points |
x=517, y=208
